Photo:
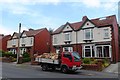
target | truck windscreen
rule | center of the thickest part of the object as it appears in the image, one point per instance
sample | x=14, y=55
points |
x=76, y=56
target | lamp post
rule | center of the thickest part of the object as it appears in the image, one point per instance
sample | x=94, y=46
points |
x=18, y=54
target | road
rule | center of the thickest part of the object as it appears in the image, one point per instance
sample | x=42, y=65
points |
x=12, y=70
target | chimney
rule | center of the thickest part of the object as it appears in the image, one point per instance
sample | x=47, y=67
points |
x=1, y=35
x=84, y=18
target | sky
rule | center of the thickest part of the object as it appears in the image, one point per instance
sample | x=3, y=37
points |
x=52, y=14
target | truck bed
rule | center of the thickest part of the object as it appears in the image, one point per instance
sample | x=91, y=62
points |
x=45, y=60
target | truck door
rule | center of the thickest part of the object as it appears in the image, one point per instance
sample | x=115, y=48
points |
x=66, y=59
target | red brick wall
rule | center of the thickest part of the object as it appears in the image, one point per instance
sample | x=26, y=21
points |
x=3, y=42
x=42, y=42
x=115, y=43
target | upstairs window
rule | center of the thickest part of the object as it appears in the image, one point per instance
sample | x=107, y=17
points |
x=67, y=37
x=23, y=40
x=13, y=41
x=88, y=34
x=106, y=33
x=55, y=40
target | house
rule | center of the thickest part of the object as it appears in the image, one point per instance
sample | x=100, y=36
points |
x=32, y=41
x=3, y=42
x=12, y=43
x=92, y=38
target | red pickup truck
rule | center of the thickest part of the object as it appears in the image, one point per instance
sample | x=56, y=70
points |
x=67, y=61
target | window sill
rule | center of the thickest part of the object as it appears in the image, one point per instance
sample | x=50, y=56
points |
x=88, y=40
x=67, y=40
x=106, y=38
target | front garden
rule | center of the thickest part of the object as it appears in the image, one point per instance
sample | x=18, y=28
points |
x=9, y=57
x=95, y=64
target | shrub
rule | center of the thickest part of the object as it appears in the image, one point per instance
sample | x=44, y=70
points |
x=26, y=60
x=26, y=55
x=106, y=62
x=8, y=54
x=86, y=61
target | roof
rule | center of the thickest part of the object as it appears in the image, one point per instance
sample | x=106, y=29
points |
x=99, y=22
x=32, y=32
x=6, y=36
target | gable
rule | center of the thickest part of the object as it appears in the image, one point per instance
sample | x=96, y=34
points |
x=14, y=36
x=23, y=35
x=67, y=28
x=88, y=24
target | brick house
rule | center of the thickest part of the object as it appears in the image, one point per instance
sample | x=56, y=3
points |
x=92, y=38
x=3, y=42
x=32, y=41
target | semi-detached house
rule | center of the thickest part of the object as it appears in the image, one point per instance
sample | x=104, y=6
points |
x=92, y=38
x=32, y=41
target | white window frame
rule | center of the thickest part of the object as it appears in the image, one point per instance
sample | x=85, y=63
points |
x=106, y=33
x=68, y=36
x=70, y=49
x=91, y=34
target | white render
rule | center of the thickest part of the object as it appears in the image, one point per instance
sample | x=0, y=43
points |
x=27, y=41
x=98, y=34
x=11, y=44
x=67, y=28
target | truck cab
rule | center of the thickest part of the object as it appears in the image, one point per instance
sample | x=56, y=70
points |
x=70, y=61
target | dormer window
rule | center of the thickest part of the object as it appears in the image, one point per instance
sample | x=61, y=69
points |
x=88, y=34
x=67, y=37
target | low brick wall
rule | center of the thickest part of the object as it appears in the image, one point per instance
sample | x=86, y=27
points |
x=5, y=59
x=95, y=67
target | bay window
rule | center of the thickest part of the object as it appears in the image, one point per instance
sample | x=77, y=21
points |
x=88, y=51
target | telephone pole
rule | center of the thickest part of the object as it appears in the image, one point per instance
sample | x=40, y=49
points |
x=18, y=54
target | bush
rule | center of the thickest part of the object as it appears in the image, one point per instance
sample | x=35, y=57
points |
x=8, y=54
x=26, y=55
x=26, y=60
x=86, y=61
x=106, y=62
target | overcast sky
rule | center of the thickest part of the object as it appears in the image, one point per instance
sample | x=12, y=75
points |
x=38, y=14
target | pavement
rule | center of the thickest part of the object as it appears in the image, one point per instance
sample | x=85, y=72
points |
x=113, y=68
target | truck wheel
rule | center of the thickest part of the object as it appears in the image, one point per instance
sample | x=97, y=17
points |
x=44, y=67
x=53, y=68
x=64, y=69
